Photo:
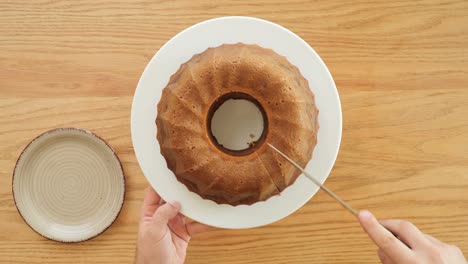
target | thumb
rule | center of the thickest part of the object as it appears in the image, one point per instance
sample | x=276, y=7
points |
x=166, y=212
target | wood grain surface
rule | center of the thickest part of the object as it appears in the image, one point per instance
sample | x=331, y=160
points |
x=400, y=68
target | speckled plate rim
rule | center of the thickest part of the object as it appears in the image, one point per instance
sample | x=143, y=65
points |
x=196, y=39
x=98, y=232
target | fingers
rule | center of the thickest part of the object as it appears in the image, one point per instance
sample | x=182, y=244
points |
x=407, y=232
x=194, y=228
x=384, y=258
x=177, y=225
x=384, y=239
x=151, y=196
x=166, y=212
x=150, y=202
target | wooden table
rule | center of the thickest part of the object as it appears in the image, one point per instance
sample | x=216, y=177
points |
x=400, y=68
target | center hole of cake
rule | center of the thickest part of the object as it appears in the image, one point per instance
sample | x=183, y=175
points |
x=238, y=124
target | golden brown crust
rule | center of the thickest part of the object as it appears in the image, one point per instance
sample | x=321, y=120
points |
x=182, y=115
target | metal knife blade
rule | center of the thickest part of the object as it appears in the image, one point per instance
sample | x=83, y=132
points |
x=323, y=187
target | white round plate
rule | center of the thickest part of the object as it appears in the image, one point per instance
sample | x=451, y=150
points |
x=213, y=33
x=68, y=185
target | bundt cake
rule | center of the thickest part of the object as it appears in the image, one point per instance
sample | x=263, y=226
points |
x=236, y=71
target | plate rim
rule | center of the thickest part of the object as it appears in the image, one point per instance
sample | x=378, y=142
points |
x=326, y=74
x=89, y=133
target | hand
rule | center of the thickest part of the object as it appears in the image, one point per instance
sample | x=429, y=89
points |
x=421, y=248
x=163, y=235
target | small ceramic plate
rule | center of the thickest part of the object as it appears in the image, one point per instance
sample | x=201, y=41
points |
x=68, y=185
x=213, y=33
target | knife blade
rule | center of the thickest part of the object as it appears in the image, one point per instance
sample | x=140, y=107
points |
x=323, y=187
x=328, y=191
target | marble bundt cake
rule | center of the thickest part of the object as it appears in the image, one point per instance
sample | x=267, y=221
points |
x=236, y=71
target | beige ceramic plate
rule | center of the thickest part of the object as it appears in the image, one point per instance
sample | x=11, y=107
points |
x=68, y=185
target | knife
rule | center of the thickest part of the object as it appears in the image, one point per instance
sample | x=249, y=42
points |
x=328, y=191
x=323, y=187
